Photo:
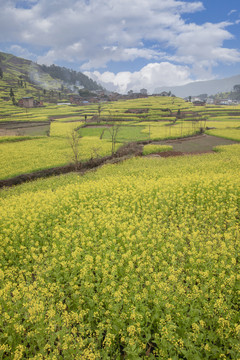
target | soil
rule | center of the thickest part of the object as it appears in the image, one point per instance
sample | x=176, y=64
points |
x=81, y=167
x=93, y=126
x=178, y=153
x=66, y=116
x=24, y=128
x=196, y=144
x=137, y=111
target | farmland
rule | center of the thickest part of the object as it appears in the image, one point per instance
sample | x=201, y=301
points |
x=153, y=118
x=137, y=260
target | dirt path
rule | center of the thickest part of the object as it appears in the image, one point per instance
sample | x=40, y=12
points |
x=52, y=118
x=196, y=144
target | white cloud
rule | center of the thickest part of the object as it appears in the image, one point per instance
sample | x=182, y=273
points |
x=227, y=55
x=150, y=76
x=120, y=54
x=232, y=12
x=95, y=32
x=21, y=52
x=202, y=46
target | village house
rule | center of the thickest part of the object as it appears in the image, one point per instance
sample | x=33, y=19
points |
x=199, y=103
x=75, y=99
x=27, y=102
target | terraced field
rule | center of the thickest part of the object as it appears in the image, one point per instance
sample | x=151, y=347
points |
x=149, y=119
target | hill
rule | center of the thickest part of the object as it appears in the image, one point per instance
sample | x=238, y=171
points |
x=210, y=87
x=28, y=78
x=70, y=77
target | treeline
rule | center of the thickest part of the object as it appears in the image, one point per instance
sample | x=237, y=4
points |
x=231, y=95
x=71, y=77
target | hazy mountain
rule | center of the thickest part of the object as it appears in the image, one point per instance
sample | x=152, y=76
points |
x=210, y=87
x=37, y=77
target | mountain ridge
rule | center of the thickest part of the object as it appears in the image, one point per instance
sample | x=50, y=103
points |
x=210, y=87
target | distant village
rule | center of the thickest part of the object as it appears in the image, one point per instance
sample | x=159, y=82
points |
x=100, y=96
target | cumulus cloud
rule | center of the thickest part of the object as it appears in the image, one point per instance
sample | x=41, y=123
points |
x=150, y=76
x=97, y=32
x=202, y=47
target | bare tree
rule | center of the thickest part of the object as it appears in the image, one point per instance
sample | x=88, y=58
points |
x=99, y=109
x=74, y=141
x=114, y=128
x=99, y=113
x=96, y=152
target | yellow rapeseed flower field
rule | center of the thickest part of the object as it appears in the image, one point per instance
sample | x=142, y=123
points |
x=40, y=153
x=64, y=129
x=137, y=260
x=231, y=133
x=171, y=131
x=155, y=149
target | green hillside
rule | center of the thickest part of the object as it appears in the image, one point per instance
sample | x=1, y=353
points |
x=71, y=77
x=27, y=78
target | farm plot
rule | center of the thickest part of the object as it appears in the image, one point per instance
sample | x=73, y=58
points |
x=153, y=118
x=198, y=144
x=227, y=133
x=137, y=260
x=33, y=155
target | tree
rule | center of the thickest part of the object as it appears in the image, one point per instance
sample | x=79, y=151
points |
x=179, y=114
x=11, y=93
x=1, y=73
x=99, y=112
x=114, y=129
x=203, y=97
x=236, y=88
x=99, y=109
x=74, y=142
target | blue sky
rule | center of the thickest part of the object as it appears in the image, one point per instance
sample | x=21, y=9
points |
x=126, y=44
